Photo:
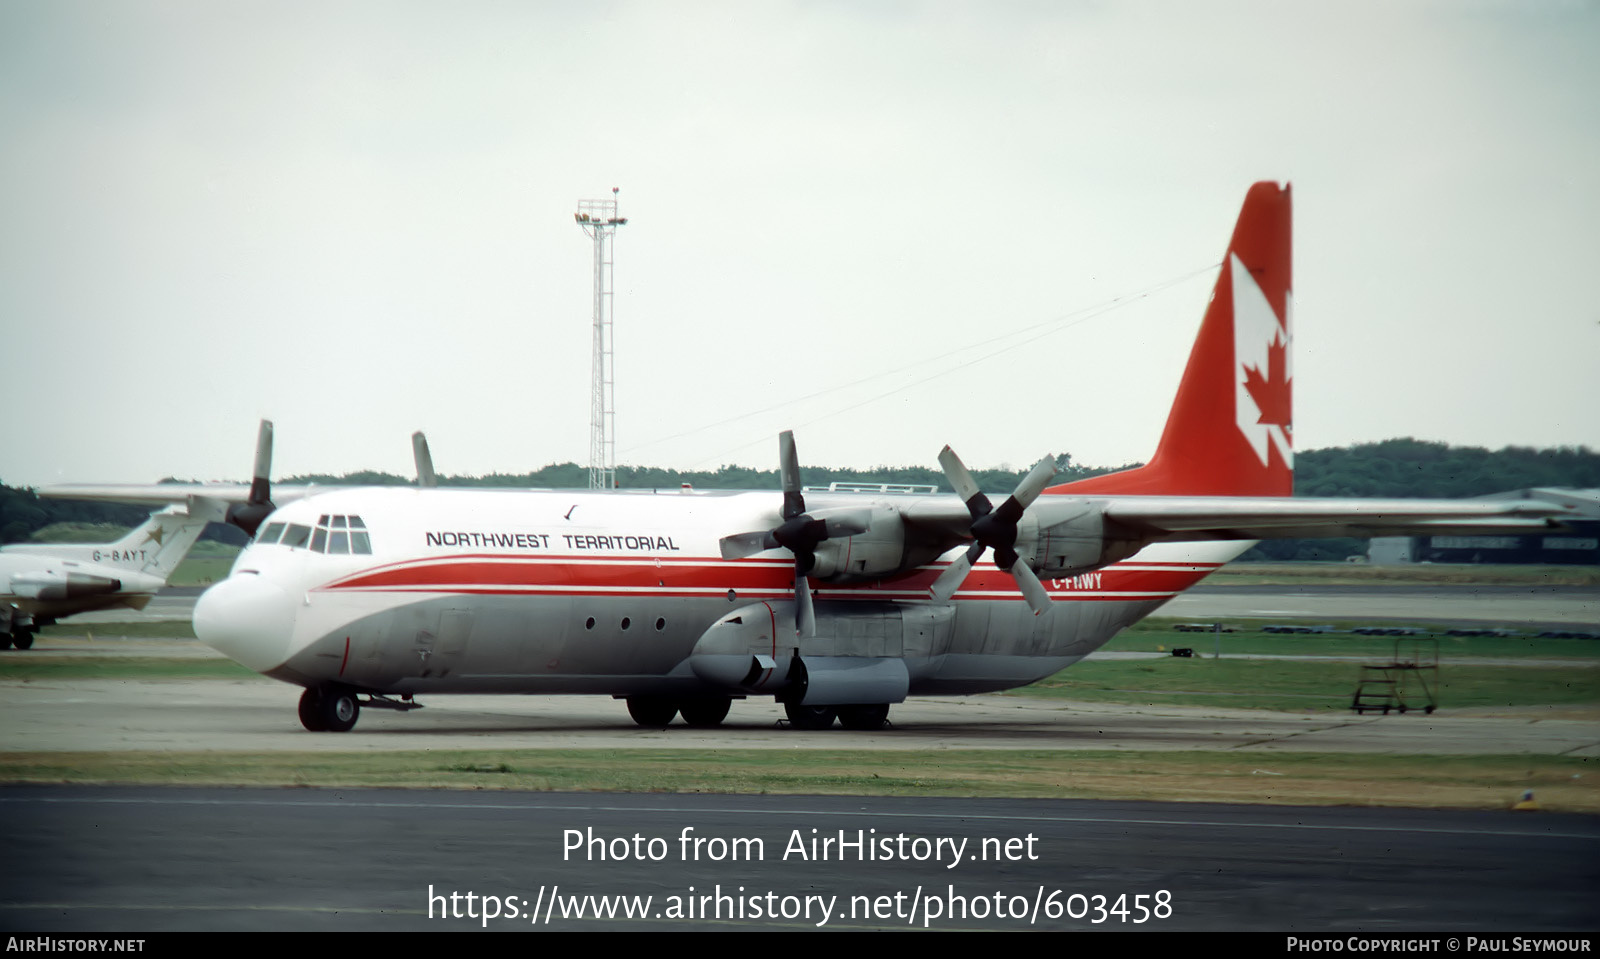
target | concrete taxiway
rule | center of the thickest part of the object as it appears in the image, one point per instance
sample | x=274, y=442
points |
x=259, y=715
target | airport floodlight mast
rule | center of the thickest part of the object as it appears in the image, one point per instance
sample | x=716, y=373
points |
x=599, y=219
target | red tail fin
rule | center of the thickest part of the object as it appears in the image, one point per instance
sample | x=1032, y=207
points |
x=1230, y=431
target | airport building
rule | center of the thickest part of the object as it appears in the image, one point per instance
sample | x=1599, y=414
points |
x=1578, y=545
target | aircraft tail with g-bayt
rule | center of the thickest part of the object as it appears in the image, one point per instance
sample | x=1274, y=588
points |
x=837, y=604
x=43, y=582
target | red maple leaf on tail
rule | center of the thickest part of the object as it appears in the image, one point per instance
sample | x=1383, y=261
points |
x=1272, y=393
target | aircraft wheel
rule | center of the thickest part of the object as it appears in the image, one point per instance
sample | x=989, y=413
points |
x=652, y=712
x=338, y=709
x=311, y=710
x=810, y=717
x=868, y=716
x=22, y=639
x=705, y=713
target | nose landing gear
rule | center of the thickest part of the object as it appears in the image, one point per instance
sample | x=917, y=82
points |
x=334, y=708
x=329, y=709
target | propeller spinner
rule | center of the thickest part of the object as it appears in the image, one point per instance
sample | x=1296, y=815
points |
x=800, y=533
x=995, y=529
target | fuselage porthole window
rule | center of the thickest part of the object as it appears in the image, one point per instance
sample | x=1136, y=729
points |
x=660, y=624
x=589, y=623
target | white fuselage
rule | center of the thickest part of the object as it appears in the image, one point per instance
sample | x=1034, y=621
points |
x=568, y=591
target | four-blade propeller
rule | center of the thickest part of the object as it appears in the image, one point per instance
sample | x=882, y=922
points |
x=994, y=529
x=800, y=533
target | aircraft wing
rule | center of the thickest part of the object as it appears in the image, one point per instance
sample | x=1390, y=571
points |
x=938, y=524
x=1185, y=518
x=155, y=494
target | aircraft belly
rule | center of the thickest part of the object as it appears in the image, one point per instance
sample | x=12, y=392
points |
x=1001, y=645
x=575, y=644
x=530, y=644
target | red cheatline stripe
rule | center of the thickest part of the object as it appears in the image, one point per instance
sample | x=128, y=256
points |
x=691, y=578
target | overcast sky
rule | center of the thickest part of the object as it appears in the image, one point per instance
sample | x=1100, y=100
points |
x=888, y=226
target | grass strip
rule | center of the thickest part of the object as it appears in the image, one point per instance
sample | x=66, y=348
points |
x=1298, y=686
x=1159, y=635
x=139, y=629
x=1421, y=574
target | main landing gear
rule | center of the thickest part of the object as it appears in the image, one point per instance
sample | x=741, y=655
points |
x=865, y=716
x=21, y=637
x=657, y=712
x=334, y=708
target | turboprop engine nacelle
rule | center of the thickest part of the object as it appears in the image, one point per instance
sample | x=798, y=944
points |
x=61, y=585
x=1072, y=545
x=874, y=554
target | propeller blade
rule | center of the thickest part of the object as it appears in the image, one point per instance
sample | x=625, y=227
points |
x=740, y=545
x=1032, y=589
x=249, y=515
x=260, y=482
x=419, y=452
x=950, y=580
x=789, y=466
x=1034, y=483
x=805, y=617
x=960, y=480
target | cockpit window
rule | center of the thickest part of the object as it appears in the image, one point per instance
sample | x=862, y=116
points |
x=296, y=535
x=335, y=535
x=271, y=533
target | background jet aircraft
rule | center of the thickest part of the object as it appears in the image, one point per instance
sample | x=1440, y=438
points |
x=43, y=582
x=837, y=604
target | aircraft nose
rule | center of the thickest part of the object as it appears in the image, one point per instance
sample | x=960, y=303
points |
x=248, y=620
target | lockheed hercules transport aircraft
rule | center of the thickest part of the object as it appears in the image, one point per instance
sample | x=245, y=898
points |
x=43, y=582
x=837, y=604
